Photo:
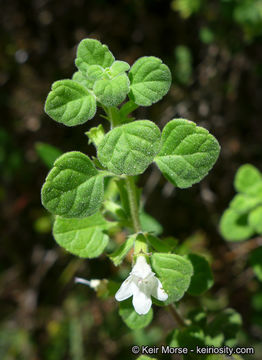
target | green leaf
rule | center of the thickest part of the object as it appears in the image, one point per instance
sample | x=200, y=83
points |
x=228, y=323
x=118, y=255
x=243, y=203
x=112, y=92
x=96, y=135
x=157, y=244
x=94, y=72
x=150, y=80
x=81, y=79
x=47, y=153
x=82, y=237
x=246, y=177
x=150, y=224
x=187, y=154
x=255, y=219
x=144, y=357
x=73, y=188
x=92, y=52
x=202, y=278
x=129, y=149
x=256, y=261
x=190, y=337
x=119, y=67
x=70, y=103
x=234, y=226
x=131, y=318
x=174, y=272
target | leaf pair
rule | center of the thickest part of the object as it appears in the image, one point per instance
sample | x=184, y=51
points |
x=184, y=153
x=102, y=79
x=243, y=218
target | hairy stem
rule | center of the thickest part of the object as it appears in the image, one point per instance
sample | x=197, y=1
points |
x=134, y=208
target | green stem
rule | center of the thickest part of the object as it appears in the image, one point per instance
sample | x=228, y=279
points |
x=134, y=208
x=177, y=317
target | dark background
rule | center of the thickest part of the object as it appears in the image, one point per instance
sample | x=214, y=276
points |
x=213, y=49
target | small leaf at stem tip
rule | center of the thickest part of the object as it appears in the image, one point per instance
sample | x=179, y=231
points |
x=119, y=67
x=92, y=52
x=81, y=79
x=255, y=260
x=150, y=80
x=187, y=154
x=74, y=187
x=112, y=92
x=129, y=149
x=234, y=226
x=70, y=103
x=82, y=237
x=174, y=272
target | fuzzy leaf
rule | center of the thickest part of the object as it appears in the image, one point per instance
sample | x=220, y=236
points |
x=202, y=279
x=112, y=92
x=73, y=188
x=234, y=226
x=150, y=80
x=119, y=67
x=256, y=261
x=82, y=237
x=129, y=149
x=255, y=219
x=92, y=52
x=48, y=153
x=81, y=79
x=118, y=255
x=187, y=154
x=174, y=272
x=190, y=337
x=246, y=177
x=131, y=318
x=70, y=103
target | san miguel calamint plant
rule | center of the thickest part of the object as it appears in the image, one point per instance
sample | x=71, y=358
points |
x=93, y=199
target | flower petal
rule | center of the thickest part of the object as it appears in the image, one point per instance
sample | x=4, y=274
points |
x=158, y=292
x=125, y=290
x=141, y=268
x=141, y=302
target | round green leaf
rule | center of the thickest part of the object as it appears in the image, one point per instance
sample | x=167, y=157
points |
x=187, y=154
x=234, y=226
x=150, y=80
x=82, y=237
x=255, y=219
x=119, y=67
x=246, y=177
x=112, y=92
x=129, y=149
x=131, y=318
x=243, y=203
x=73, y=188
x=174, y=272
x=70, y=103
x=81, y=79
x=202, y=278
x=92, y=52
x=256, y=261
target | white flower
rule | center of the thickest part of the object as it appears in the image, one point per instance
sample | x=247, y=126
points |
x=141, y=284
